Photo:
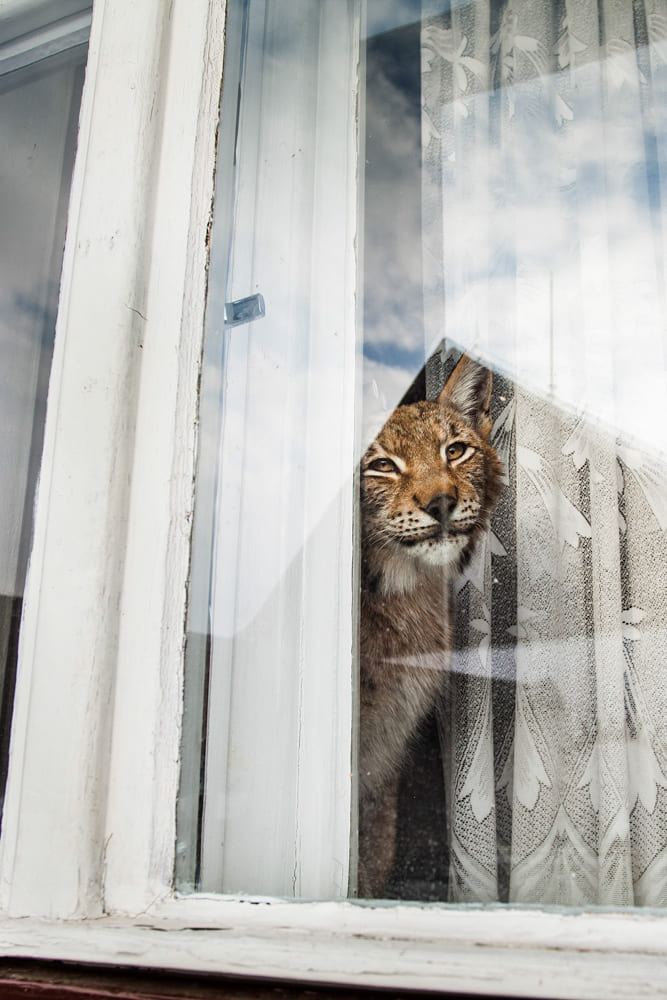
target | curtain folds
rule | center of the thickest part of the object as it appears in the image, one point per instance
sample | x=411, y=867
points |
x=544, y=191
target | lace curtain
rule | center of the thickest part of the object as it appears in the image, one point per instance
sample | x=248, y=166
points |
x=544, y=188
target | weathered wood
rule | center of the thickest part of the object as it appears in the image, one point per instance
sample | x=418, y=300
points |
x=489, y=952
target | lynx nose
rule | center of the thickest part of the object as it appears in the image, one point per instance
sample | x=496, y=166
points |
x=441, y=506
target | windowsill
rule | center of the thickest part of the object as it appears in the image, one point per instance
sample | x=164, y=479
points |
x=492, y=951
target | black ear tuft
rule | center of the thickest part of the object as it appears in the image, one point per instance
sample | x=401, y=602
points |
x=468, y=390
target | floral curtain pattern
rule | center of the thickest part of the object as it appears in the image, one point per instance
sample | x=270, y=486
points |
x=544, y=192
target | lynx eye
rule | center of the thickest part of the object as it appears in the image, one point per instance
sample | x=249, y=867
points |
x=458, y=450
x=382, y=465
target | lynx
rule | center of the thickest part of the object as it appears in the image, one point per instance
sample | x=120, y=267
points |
x=428, y=485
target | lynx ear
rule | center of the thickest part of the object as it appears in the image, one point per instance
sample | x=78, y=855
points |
x=468, y=390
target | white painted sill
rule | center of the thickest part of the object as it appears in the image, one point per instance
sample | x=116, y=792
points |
x=495, y=951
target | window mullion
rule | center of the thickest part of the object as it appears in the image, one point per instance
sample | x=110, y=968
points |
x=140, y=829
x=53, y=828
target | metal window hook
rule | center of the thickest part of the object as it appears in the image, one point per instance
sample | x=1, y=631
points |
x=245, y=310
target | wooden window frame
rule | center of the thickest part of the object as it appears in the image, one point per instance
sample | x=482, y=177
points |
x=88, y=838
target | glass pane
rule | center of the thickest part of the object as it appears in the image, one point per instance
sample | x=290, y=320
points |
x=506, y=572
x=39, y=107
x=268, y=679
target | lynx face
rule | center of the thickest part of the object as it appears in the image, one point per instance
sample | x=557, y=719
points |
x=429, y=482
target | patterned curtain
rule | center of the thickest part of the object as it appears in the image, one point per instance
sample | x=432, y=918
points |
x=544, y=194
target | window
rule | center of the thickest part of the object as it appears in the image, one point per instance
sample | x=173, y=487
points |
x=89, y=834
x=41, y=75
x=476, y=121
x=286, y=384
x=78, y=618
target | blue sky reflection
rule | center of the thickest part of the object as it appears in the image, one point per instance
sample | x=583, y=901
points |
x=542, y=247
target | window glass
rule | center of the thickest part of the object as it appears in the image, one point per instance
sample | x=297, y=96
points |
x=434, y=607
x=268, y=679
x=39, y=104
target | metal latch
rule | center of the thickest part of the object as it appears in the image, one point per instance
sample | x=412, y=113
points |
x=244, y=310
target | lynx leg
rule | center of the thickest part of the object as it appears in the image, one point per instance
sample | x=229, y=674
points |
x=377, y=838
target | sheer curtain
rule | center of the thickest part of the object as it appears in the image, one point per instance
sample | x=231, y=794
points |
x=544, y=186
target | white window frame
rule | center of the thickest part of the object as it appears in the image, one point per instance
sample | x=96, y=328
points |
x=87, y=850
x=32, y=31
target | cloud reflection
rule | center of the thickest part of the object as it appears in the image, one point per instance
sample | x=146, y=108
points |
x=539, y=246
x=544, y=245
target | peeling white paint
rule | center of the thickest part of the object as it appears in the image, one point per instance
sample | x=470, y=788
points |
x=496, y=952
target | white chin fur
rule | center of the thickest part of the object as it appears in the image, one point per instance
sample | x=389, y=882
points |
x=441, y=552
x=405, y=566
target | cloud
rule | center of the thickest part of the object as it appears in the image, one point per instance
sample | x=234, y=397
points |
x=548, y=251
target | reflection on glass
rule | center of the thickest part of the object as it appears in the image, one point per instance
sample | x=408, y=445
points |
x=38, y=115
x=268, y=693
x=542, y=247
x=512, y=207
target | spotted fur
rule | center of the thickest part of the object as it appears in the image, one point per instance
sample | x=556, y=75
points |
x=428, y=484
